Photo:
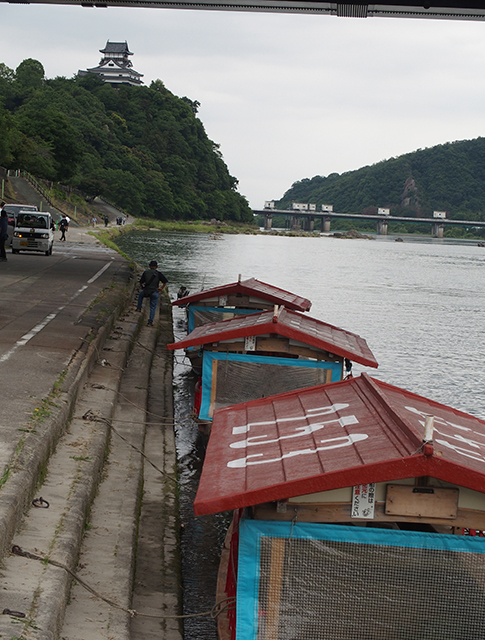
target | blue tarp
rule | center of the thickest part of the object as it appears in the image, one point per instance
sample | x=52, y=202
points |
x=255, y=376
x=343, y=582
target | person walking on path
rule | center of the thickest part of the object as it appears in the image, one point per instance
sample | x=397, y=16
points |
x=3, y=233
x=152, y=283
x=63, y=226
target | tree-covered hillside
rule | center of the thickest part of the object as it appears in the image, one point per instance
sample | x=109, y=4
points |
x=141, y=147
x=448, y=177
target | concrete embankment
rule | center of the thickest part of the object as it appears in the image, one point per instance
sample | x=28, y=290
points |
x=90, y=477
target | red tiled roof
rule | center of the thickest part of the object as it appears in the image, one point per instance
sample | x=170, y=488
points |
x=255, y=289
x=332, y=436
x=287, y=323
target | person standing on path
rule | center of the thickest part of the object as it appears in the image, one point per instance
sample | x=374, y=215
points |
x=3, y=233
x=152, y=283
x=63, y=226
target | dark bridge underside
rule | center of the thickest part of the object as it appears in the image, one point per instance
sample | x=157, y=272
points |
x=446, y=9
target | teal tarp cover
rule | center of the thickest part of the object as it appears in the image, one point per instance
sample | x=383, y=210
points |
x=329, y=582
x=243, y=377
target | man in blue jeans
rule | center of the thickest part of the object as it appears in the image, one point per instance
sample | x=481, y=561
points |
x=152, y=283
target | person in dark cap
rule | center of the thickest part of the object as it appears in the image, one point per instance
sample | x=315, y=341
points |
x=152, y=283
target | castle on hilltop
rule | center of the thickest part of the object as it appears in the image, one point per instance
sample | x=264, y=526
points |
x=115, y=67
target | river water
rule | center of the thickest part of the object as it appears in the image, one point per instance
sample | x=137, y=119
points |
x=419, y=304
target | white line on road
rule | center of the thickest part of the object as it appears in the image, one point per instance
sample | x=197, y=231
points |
x=100, y=272
x=33, y=332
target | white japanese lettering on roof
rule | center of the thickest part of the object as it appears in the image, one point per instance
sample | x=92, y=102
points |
x=311, y=413
x=332, y=443
x=475, y=455
x=299, y=431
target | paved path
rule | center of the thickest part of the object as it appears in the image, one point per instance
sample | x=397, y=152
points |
x=49, y=307
x=52, y=308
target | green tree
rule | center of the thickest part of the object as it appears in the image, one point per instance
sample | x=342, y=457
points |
x=40, y=119
x=141, y=147
x=30, y=74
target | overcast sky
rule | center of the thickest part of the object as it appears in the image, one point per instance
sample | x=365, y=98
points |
x=286, y=96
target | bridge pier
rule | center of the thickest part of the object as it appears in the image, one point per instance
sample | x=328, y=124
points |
x=326, y=224
x=295, y=223
x=268, y=221
x=382, y=227
x=309, y=223
x=438, y=230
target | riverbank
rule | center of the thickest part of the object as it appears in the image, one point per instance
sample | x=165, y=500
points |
x=80, y=371
x=217, y=230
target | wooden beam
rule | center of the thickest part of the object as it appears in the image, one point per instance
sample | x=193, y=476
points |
x=275, y=345
x=274, y=588
x=339, y=512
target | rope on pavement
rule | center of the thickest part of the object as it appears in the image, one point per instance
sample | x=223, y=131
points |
x=217, y=609
x=90, y=415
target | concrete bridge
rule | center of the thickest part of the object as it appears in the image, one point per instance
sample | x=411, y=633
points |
x=306, y=220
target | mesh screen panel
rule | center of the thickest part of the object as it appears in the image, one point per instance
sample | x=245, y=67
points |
x=242, y=381
x=319, y=589
x=204, y=317
x=199, y=315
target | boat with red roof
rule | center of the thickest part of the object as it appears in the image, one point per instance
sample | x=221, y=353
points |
x=358, y=513
x=268, y=352
x=236, y=298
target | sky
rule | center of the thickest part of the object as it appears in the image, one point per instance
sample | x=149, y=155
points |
x=286, y=96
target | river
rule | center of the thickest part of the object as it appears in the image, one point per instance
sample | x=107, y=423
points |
x=419, y=304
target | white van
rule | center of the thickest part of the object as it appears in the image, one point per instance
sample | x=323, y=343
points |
x=33, y=232
x=12, y=211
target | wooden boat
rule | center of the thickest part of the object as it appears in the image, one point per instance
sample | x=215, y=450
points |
x=359, y=513
x=237, y=298
x=269, y=352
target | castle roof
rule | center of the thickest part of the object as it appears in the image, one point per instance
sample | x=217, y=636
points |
x=116, y=47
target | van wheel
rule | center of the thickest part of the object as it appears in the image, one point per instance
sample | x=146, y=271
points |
x=15, y=250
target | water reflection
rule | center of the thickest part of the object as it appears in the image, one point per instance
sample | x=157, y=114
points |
x=202, y=538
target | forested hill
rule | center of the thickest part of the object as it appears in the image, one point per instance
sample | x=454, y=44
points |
x=141, y=147
x=448, y=177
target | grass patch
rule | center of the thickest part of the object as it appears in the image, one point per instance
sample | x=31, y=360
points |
x=106, y=236
x=40, y=414
x=197, y=226
x=5, y=476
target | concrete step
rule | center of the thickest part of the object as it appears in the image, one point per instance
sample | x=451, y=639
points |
x=40, y=590
x=90, y=507
x=157, y=594
x=107, y=557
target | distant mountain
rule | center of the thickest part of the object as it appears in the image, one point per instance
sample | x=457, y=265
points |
x=449, y=177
